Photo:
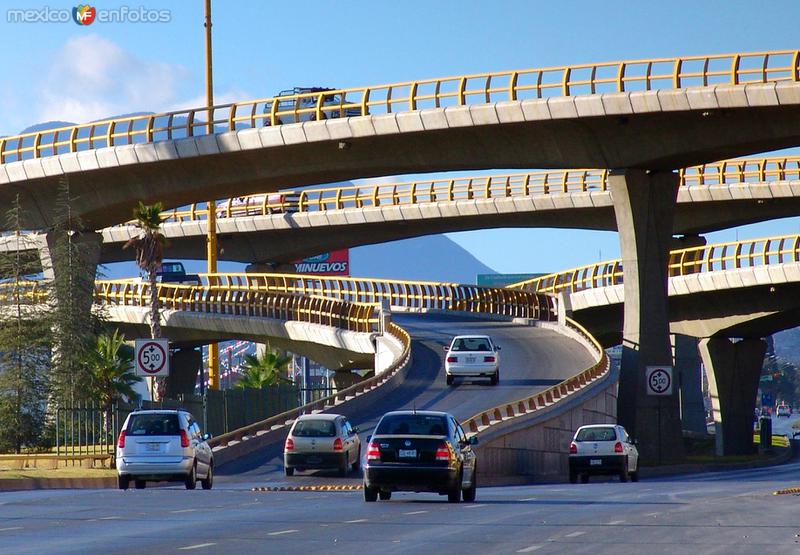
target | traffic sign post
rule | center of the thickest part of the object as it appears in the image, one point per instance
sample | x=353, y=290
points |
x=658, y=380
x=152, y=357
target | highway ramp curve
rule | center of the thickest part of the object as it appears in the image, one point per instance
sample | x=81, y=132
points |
x=532, y=359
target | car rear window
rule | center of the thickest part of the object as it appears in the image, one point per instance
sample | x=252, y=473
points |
x=471, y=344
x=154, y=425
x=315, y=428
x=596, y=434
x=412, y=424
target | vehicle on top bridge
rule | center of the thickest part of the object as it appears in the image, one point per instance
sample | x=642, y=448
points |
x=174, y=272
x=306, y=105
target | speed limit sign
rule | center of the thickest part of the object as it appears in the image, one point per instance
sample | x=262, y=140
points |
x=659, y=380
x=152, y=357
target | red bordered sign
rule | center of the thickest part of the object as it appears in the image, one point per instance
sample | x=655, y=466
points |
x=152, y=357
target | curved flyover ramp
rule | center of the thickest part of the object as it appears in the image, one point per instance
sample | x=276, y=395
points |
x=651, y=114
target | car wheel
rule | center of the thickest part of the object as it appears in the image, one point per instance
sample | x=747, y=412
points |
x=191, y=478
x=635, y=475
x=454, y=495
x=357, y=462
x=123, y=482
x=573, y=477
x=449, y=380
x=584, y=478
x=288, y=470
x=623, y=474
x=343, y=466
x=469, y=493
x=385, y=495
x=208, y=482
x=496, y=377
x=370, y=494
x=140, y=484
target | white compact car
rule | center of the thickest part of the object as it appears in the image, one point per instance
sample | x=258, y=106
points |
x=603, y=449
x=163, y=445
x=322, y=441
x=783, y=410
x=472, y=356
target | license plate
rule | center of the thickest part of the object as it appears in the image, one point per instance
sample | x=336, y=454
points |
x=313, y=460
x=595, y=462
x=470, y=360
x=407, y=453
x=152, y=447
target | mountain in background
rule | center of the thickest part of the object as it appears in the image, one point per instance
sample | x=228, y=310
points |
x=45, y=126
x=430, y=258
x=787, y=345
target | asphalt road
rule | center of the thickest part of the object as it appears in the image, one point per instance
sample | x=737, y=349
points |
x=531, y=359
x=719, y=513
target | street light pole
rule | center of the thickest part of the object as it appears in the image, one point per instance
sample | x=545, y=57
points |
x=211, y=239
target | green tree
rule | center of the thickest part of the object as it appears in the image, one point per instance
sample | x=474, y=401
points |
x=24, y=343
x=264, y=371
x=149, y=247
x=112, y=375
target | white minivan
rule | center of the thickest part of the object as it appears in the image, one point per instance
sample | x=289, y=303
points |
x=163, y=445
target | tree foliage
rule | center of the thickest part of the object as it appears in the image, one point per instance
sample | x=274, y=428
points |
x=112, y=374
x=264, y=371
x=149, y=249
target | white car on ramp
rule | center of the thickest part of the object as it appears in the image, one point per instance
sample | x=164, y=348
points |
x=472, y=356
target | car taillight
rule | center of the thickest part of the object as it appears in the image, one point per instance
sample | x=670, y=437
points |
x=573, y=449
x=452, y=359
x=618, y=447
x=184, y=439
x=121, y=441
x=289, y=445
x=442, y=452
x=488, y=359
x=337, y=445
x=373, y=453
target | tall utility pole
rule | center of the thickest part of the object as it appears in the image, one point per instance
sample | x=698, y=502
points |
x=211, y=239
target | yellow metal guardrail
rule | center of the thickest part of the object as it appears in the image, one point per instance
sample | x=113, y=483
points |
x=658, y=73
x=495, y=415
x=744, y=170
x=708, y=258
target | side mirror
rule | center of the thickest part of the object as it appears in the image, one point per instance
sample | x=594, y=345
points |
x=473, y=440
x=634, y=441
x=355, y=429
x=445, y=348
x=497, y=347
x=206, y=436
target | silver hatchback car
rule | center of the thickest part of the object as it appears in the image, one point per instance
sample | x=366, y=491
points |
x=163, y=445
x=322, y=441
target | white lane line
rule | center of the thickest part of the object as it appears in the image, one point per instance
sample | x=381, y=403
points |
x=356, y=520
x=652, y=514
x=574, y=534
x=529, y=549
x=415, y=513
x=10, y=528
x=529, y=499
x=615, y=522
x=281, y=532
x=475, y=506
x=198, y=546
x=109, y=518
x=183, y=511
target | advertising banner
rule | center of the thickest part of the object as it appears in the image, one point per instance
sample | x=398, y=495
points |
x=334, y=263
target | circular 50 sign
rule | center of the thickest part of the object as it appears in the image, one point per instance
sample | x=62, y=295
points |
x=152, y=357
x=659, y=380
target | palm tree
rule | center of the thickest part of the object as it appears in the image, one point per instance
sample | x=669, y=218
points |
x=149, y=247
x=111, y=371
x=264, y=371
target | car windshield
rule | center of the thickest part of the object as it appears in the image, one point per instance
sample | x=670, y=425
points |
x=596, y=434
x=412, y=424
x=315, y=428
x=471, y=344
x=154, y=425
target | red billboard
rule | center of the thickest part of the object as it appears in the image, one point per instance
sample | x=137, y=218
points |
x=334, y=263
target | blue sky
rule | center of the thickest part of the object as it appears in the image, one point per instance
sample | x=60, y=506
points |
x=77, y=73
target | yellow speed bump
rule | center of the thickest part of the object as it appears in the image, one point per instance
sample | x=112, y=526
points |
x=324, y=487
x=786, y=491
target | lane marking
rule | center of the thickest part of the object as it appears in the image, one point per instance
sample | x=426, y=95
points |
x=10, y=528
x=109, y=518
x=183, y=511
x=529, y=499
x=574, y=534
x=356, y=520
x=198, y=546
x=415, y=513
x=475, y=506
x=615, y=522
x=529, y=549
x=280, y=533
x=652, y=514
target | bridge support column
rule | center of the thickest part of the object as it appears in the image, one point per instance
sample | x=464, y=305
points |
x=184, y=368
x=689, y=379
x=733, y=372
x=86, y=245
x=644, y=205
